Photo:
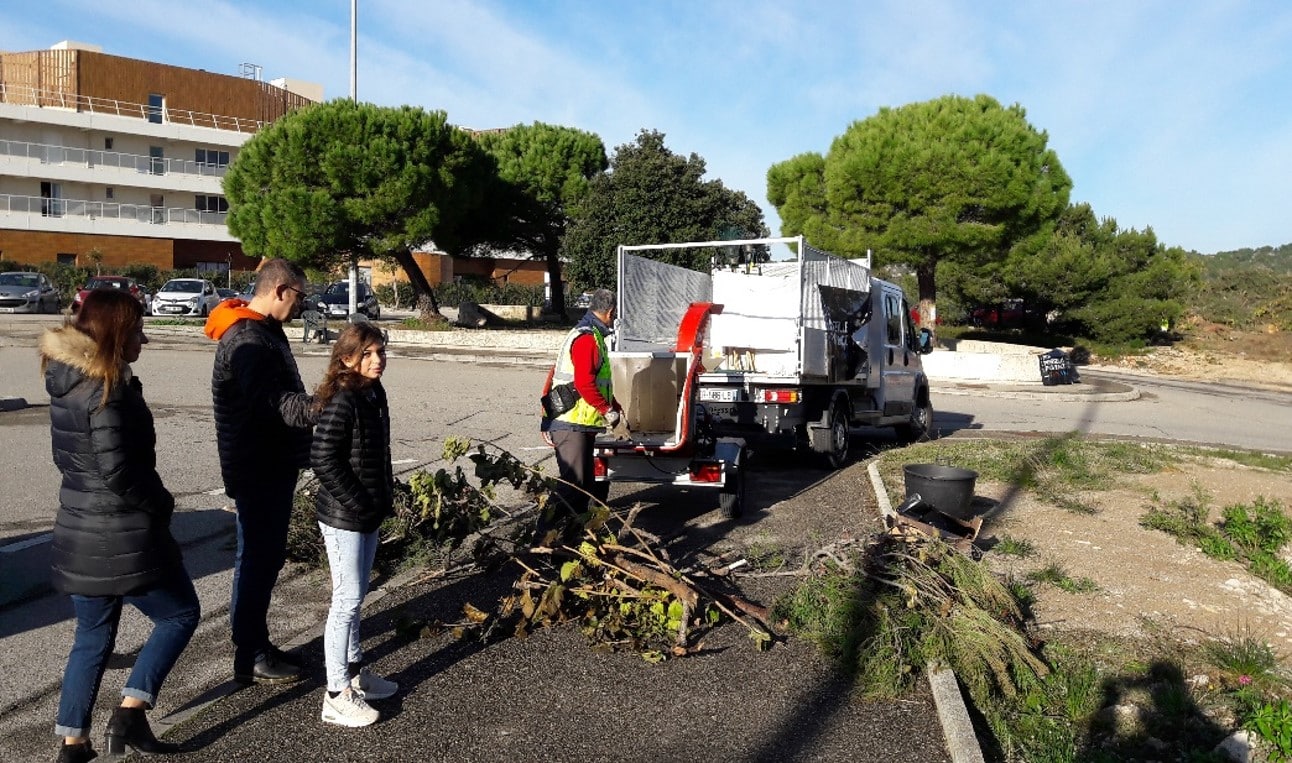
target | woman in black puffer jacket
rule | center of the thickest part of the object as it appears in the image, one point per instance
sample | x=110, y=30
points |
x=112, y=541
x=351, y=460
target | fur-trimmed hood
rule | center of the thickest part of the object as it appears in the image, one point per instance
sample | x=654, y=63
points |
x=70, y=355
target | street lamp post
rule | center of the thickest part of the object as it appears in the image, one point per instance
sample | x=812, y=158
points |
x=354, y=96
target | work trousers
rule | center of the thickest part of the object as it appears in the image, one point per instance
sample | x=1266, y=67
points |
x=574, y=465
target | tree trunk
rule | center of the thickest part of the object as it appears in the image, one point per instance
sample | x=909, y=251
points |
x=423, y=294
x=928, y=307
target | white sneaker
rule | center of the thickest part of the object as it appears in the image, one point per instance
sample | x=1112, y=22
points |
x=372, y=686
x=348, y=709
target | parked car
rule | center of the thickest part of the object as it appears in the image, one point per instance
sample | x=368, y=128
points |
x=111, y=282
x=185, y=296
x=1012, y=313
x=22, y=292
x=335, y=301
x=226, y=293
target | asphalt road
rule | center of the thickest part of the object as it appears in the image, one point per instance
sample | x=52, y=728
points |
x=544, y=698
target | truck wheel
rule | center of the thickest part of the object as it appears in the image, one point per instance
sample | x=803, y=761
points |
x=920, y=424
x=837, y=456
x=731, y=499
x=600, y=490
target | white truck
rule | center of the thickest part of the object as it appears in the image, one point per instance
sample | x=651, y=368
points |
x=779, y=354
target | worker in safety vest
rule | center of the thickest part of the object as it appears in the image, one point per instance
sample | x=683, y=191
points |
x=585, y=363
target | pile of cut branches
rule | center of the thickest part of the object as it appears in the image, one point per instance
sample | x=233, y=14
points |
x=618, y=582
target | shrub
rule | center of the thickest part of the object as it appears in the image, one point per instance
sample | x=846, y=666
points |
x=453, y=294
x=398, y=294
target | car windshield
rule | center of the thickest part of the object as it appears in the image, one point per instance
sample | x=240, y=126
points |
x=340, y=287
x=101, y=283
x=19, y=279
x=192, y=287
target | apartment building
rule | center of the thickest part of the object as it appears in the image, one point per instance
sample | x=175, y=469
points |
x=114, y=160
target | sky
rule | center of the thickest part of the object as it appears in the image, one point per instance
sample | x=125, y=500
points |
x=1174, y=115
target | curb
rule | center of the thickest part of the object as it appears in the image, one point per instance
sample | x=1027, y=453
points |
x=957, y=728
x=1016, y=393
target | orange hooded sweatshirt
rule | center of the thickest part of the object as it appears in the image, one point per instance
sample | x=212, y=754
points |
x=227, y=313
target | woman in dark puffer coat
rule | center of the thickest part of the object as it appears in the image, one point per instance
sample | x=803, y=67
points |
x=351, y=460
x=112, y=541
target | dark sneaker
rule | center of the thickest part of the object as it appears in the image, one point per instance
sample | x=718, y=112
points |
x=269, y=670
x=285, y=657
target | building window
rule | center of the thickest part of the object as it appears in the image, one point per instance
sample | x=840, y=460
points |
x=66, y=259
x=159, y=211
x=51, y=201
x=211, y=203
x=156, y=107
x=156, y=160
x=107, y=144
x=210, y=157
x=110, y=192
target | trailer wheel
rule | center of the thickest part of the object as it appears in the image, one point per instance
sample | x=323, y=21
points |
x=600, y=490
x=837, y=422
x=731, y=499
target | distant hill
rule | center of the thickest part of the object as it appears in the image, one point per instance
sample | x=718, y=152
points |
x=1276, y=258
x=1247, y=289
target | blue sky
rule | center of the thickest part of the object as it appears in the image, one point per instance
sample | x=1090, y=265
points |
x=1174, y=115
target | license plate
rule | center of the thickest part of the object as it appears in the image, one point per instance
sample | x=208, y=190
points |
x=718, y=395
x=7, y=309
x=169, y=309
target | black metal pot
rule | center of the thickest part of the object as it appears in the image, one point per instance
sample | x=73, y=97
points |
x=948, y=489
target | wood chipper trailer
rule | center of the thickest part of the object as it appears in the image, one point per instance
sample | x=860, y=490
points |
x=777, y=354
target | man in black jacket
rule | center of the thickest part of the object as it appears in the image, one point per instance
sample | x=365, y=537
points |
x=263, y=419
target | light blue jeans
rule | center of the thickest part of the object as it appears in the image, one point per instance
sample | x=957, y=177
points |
x=350, y=556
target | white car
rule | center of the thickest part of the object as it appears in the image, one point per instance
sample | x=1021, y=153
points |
x=27, y=293
x=185, y=296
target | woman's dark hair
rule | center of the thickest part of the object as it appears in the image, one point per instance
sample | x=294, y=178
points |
x=109, y=317
x=338, y=376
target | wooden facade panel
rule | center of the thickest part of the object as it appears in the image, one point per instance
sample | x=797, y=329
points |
x=442, y=268
x=40, y=70
x=132, y=80
x=101, y=76
x=36, y=247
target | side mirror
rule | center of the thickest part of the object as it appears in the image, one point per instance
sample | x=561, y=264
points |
x=926, y=341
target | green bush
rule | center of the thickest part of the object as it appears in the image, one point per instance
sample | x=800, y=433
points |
x=453, y=294
x=398, y=294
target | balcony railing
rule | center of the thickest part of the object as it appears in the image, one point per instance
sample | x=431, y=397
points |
x=39, y=206
x=24, y=95
x=153, y=165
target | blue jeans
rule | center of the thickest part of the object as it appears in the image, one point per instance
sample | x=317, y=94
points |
x=263, y=517
x=349, y=555
x=172, y=606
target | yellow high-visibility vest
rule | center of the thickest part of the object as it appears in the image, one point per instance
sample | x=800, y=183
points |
x=583, y=414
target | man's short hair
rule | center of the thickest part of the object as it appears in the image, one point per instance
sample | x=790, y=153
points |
x=276, y=271
x=603, y=300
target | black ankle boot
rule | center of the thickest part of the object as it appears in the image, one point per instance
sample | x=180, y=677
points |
x=76, y=753
x=129, y=728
